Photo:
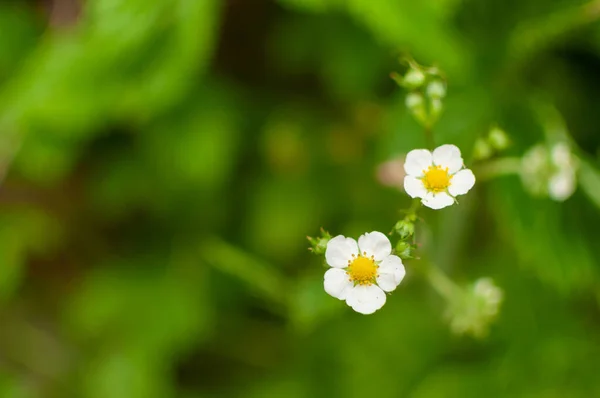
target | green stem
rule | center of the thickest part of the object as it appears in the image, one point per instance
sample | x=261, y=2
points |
x=429, y=137
x=414, y=207
x=7, y=155
x=440, y=282
x=498, y=167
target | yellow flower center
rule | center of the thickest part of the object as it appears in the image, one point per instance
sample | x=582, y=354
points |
x=362, y=270
x=436, y=179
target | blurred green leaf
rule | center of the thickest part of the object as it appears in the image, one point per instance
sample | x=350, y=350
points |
x=589, y=181
x=547, y=238
x=310, y=305
x=420, y=27
x=124, y=374
x=22, y=30
x=11, y=388
x=23, y=233
x=259, y=276
x=132, y=73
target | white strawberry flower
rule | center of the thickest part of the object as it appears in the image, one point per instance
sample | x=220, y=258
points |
x=362, y=272
x=438, y=177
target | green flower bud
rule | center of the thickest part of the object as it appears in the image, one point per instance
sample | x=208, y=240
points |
x=413, y=79
x=498, y=139
x=436, y=108
x=403, y=250
x=416, y=105
x=319, y=244
x=414, y=101
x=436, y=89
x=405, y=229
x=482, y=150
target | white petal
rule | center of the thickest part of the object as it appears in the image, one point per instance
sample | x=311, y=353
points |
x=417, y=161
x=366, y=299
x=448, y=156
x=340, y=250
x=386, y=282
x=375, y=244
x=561, y=185
x=390, y=274
x=461, y=182
x=437, y=201
x=337, y=283
x=414, y=187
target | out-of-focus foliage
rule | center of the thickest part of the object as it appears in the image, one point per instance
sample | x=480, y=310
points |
x=165, y=160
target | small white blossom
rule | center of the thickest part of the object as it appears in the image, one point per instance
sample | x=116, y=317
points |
x=550, y=172
x=362, y=271
x=438, y=177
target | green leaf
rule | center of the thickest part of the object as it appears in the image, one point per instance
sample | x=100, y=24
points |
x=589, y=181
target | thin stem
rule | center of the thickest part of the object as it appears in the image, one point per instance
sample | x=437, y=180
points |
x=440, y=282
x=498, y=167
x=411, y=212
x=414, y=206
x=7, y=156
x=429, y=137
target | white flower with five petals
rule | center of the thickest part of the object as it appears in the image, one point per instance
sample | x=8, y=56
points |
x=437, y=177
x=362, y=272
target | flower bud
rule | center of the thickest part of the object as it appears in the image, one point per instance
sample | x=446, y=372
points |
x=416, y=105
x=319, y=244
x=562, y=185
x=561, y=156
x=414, y=78
x=404, y=250
x=414, y=101
x=405, y=229
x=482, y=150
x=436, y=108
x=436, y=89
x=498, y=139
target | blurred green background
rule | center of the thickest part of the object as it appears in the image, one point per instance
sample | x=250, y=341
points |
x=165, y=160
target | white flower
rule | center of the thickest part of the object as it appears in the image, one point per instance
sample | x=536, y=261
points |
x=437, y=177
x=362, y=272
x=550, y=172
